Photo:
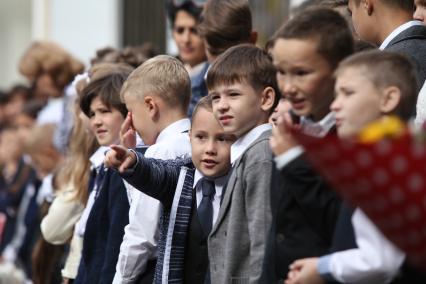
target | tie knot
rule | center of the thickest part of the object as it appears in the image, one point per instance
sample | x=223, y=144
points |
x=208, y=188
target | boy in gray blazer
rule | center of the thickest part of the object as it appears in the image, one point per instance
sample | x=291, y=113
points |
x=243, y=88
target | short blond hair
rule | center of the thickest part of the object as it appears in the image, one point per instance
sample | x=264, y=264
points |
x=162, y=76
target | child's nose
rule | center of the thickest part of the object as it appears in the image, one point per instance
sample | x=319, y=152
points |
x=335, y=105
x=288, y=86
x=210, y=148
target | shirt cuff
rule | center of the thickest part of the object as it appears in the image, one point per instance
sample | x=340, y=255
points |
x=282, y=160
x=323, y=268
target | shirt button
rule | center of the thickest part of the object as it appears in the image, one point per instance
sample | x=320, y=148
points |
x=280, y=238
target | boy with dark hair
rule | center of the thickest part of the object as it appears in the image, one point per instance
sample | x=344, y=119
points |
x=306, y=51
x=190, y=192
x=390, y=25
x=244, y=92
x=376, y=84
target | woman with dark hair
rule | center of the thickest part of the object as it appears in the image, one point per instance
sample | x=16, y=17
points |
x=184, y=16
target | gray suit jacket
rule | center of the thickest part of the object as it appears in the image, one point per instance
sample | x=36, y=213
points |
x=237, y=242
x=412, y=43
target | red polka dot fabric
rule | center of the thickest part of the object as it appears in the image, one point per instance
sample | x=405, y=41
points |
x=387, y=180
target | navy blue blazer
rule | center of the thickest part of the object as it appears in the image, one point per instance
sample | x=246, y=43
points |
x=104, y=231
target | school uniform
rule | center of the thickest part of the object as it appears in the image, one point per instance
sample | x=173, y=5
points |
x=237, y=243
x=375, y=260
x=182, y=248
x=138, y=250
x=410, y=40
x=305, y=208
x=104, y=230
x=101, y=225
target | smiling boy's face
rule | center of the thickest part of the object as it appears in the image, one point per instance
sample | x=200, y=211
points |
x=239, y=107
x=304, y=76
x=210, y=145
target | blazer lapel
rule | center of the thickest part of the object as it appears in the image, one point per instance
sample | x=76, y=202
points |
x=226, y=200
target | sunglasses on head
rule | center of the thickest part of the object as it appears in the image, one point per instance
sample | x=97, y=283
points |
x=198, y=3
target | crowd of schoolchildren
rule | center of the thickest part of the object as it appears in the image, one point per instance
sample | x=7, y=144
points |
x=146, y=168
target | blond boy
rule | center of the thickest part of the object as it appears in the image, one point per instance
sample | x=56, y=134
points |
x=157, y=96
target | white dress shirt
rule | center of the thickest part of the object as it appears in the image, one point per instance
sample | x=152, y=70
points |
x=218, y=184
x=241, y=145
x=397, y=31
x=376, y=260
x=141, y=234
x=421, y=107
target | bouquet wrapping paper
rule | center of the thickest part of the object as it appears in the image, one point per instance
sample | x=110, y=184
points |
x=386, y=179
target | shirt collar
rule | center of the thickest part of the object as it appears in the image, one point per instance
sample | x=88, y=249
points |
x=179, y=126
x=97, y=158
x=397, y=31
x=319, y=128
x=239, y=146
x=218, y=182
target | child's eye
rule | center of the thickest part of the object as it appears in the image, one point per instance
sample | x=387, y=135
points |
x=234, y=94
x=280, y=72
x=200, y=136
x=104, y=110
x=214, y=97
x=91, y=114
x=179, y=30
x=301, y=73
x=221, y=138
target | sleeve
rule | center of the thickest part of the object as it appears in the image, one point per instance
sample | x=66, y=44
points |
x=256, y=180
x=118, y=213
x=155, y=178
x=58, y=225
x=315, y=197
x=282, y=160
x=376, y=260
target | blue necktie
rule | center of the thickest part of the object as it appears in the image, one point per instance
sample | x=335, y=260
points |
x=99, y=180
x=205, y=210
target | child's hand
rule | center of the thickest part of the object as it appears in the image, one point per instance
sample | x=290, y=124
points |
x=128, y=133
x=282, y=139
x=119, y=158
x=304, y=271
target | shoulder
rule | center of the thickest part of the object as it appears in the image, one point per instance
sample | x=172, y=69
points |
x=411, y=37
x=259, y=150
x=177, y=146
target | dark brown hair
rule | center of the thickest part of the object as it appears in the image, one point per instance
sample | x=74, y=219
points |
x=244, y=63
x=225, y=23
x=385, y=69
x=106, y=86
x=327, y=27
x=407, y=5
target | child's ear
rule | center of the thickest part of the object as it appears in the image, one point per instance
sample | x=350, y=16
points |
x=368, y=6
x=268, y=98
x=151, y=105
x=391, y=96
